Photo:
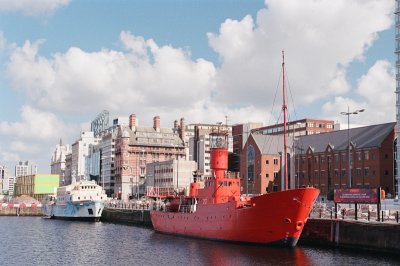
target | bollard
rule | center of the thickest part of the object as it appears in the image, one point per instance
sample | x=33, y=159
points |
x=369, y=215
x=397, y=217
x=331, y=214
x=335, y=210
x=382, y=216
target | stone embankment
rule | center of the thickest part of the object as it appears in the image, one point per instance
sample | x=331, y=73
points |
x=364, y=228
x=378, y=236
x=127, y=214
x=17, y=211
x=21, y=206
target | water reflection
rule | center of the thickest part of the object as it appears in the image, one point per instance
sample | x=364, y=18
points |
x=36, y=241
x=207, y=252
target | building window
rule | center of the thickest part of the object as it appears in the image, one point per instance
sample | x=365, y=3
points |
x=316, y=159
x=366, y=155
x=250, y=163
x=358, y=156
x=358, y=171
x=386, y=172
x=267, y=162
x=276, y=161
x=336, y=157
x=267, y=175
x=322, y=159
x=343, y=157
x=343, y=172
x=366, y=171
x=336, y=173
x=275, y=174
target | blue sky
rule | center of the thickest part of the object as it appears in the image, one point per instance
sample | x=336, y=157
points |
x=64, y=61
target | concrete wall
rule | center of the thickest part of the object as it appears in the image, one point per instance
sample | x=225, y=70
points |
x=127, y=216
x=383, y=237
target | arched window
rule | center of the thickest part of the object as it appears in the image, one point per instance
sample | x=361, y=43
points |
x=250, y=163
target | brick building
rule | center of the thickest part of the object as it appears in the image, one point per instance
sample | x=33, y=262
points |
x=136, y=145
x=321, y=160
x=302, y=127
x=260, y=164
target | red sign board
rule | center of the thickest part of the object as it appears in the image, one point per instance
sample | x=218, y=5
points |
x=356, y=195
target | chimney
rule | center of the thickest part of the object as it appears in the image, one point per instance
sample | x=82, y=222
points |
x=132, y=121
x=156, y=123
x=182, y=129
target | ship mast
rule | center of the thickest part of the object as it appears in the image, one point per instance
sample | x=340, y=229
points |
x=284, y=108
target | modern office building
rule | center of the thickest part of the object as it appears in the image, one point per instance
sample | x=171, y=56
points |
x=172, y=174
x=3, y=179
x=80, y=149
x=58, y=161
x=201, y=145
x=25, y=168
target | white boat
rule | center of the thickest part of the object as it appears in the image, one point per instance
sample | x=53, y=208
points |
x=83, y=200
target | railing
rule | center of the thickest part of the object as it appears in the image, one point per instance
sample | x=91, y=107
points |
x=130, y=205
x=365, y=212
x=157, y=192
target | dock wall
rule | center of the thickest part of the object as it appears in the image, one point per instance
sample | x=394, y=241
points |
x=6, y=211
x=127, y=216
x=342, y=233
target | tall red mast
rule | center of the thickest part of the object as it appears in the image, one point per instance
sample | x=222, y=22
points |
x=284, y=108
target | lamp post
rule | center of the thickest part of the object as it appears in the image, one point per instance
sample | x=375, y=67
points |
x=348, y=113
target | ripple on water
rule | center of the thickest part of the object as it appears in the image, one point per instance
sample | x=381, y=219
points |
x=37, y=241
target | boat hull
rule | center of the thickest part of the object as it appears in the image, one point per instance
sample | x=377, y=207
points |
x=275, y=219
x=87, y=211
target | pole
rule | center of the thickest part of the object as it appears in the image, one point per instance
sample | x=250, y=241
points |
x=284, y=108
x=348, y=140
x=137, y=173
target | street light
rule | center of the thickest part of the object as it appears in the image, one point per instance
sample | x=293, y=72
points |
x=348, y=113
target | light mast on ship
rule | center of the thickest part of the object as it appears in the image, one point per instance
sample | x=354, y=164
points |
x=284, y=109
x=219, y=162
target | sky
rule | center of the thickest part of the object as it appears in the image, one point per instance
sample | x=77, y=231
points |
x=64, y=61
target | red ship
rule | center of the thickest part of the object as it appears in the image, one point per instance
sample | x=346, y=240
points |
x=218, y=211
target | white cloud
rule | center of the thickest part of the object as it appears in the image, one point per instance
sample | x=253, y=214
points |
x=35, y=125
x=376, y=91
x=3, y=42
x=33, y=137
x=146, y=76
x=33, y=7
x=320, y=39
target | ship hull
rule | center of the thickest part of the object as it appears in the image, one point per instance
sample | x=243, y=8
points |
x=87, y=211
x=274, y=219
